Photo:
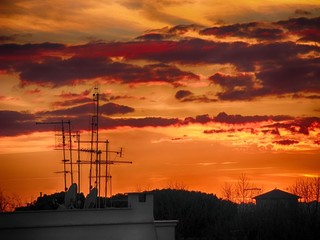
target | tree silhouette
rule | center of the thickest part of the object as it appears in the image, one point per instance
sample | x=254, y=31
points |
x=9, y=202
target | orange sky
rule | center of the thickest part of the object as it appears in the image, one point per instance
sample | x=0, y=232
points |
x=196, y=92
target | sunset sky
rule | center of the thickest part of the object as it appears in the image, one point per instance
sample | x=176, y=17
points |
x=196, y=92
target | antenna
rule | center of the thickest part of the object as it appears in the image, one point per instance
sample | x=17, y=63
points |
x=64, y=160
x=96, y=169
x=78, y=160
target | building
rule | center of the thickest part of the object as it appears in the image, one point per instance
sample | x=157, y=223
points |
x=277, y=198
x=136, y=222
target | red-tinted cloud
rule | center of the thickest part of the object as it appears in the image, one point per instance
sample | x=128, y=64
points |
x=13, y=55
x=265, y=68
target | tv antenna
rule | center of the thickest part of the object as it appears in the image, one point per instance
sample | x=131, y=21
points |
x=99, y=162
x=63, y=146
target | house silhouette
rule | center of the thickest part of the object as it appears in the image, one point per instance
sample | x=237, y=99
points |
x=277, y=198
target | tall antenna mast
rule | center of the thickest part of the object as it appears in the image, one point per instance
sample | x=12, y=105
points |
x=64, y=144
x=96, y=125
x=94, y=138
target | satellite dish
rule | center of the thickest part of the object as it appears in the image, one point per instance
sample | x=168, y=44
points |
x=91, y=199
x=70, y=197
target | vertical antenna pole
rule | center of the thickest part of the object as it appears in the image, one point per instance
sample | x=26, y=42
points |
x=96, y=129
x=96, y=98
x=91, y=153
x=107, y=162
x=70, y=153
x=64, y=156
x=78, y=161
x=99, y=185
x=110, y=186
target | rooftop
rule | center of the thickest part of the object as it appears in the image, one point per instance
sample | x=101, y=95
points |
x=276, y=194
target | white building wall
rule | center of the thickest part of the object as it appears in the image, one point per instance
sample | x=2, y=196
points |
x=134, y=223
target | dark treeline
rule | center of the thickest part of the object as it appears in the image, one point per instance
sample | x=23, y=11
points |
x=204, y=217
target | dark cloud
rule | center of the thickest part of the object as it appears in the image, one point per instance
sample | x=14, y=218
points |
x=181, y=94
x=19, y=123
x=56, y=72
x=14, y=55
x=277, y=78
x=68, y=95
x=16, y=123
x=72, y=99
x=274, y=131
x=307, y=28
x=188, y=96
x=286, y=142
x=28, y=51
x=239, y=119
x=197, y=51
x=153, y=36
x=293, y=125
x=294, y=24
x=112, y=108
x=250, y=30
x=277, y=68
x=298, y=125
x=231, y=130
x=87, y=109
x=169, y=33
x=182, y=29
x=239, y=87
x=213, y=131
x=190, y=51
x=291, y=76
